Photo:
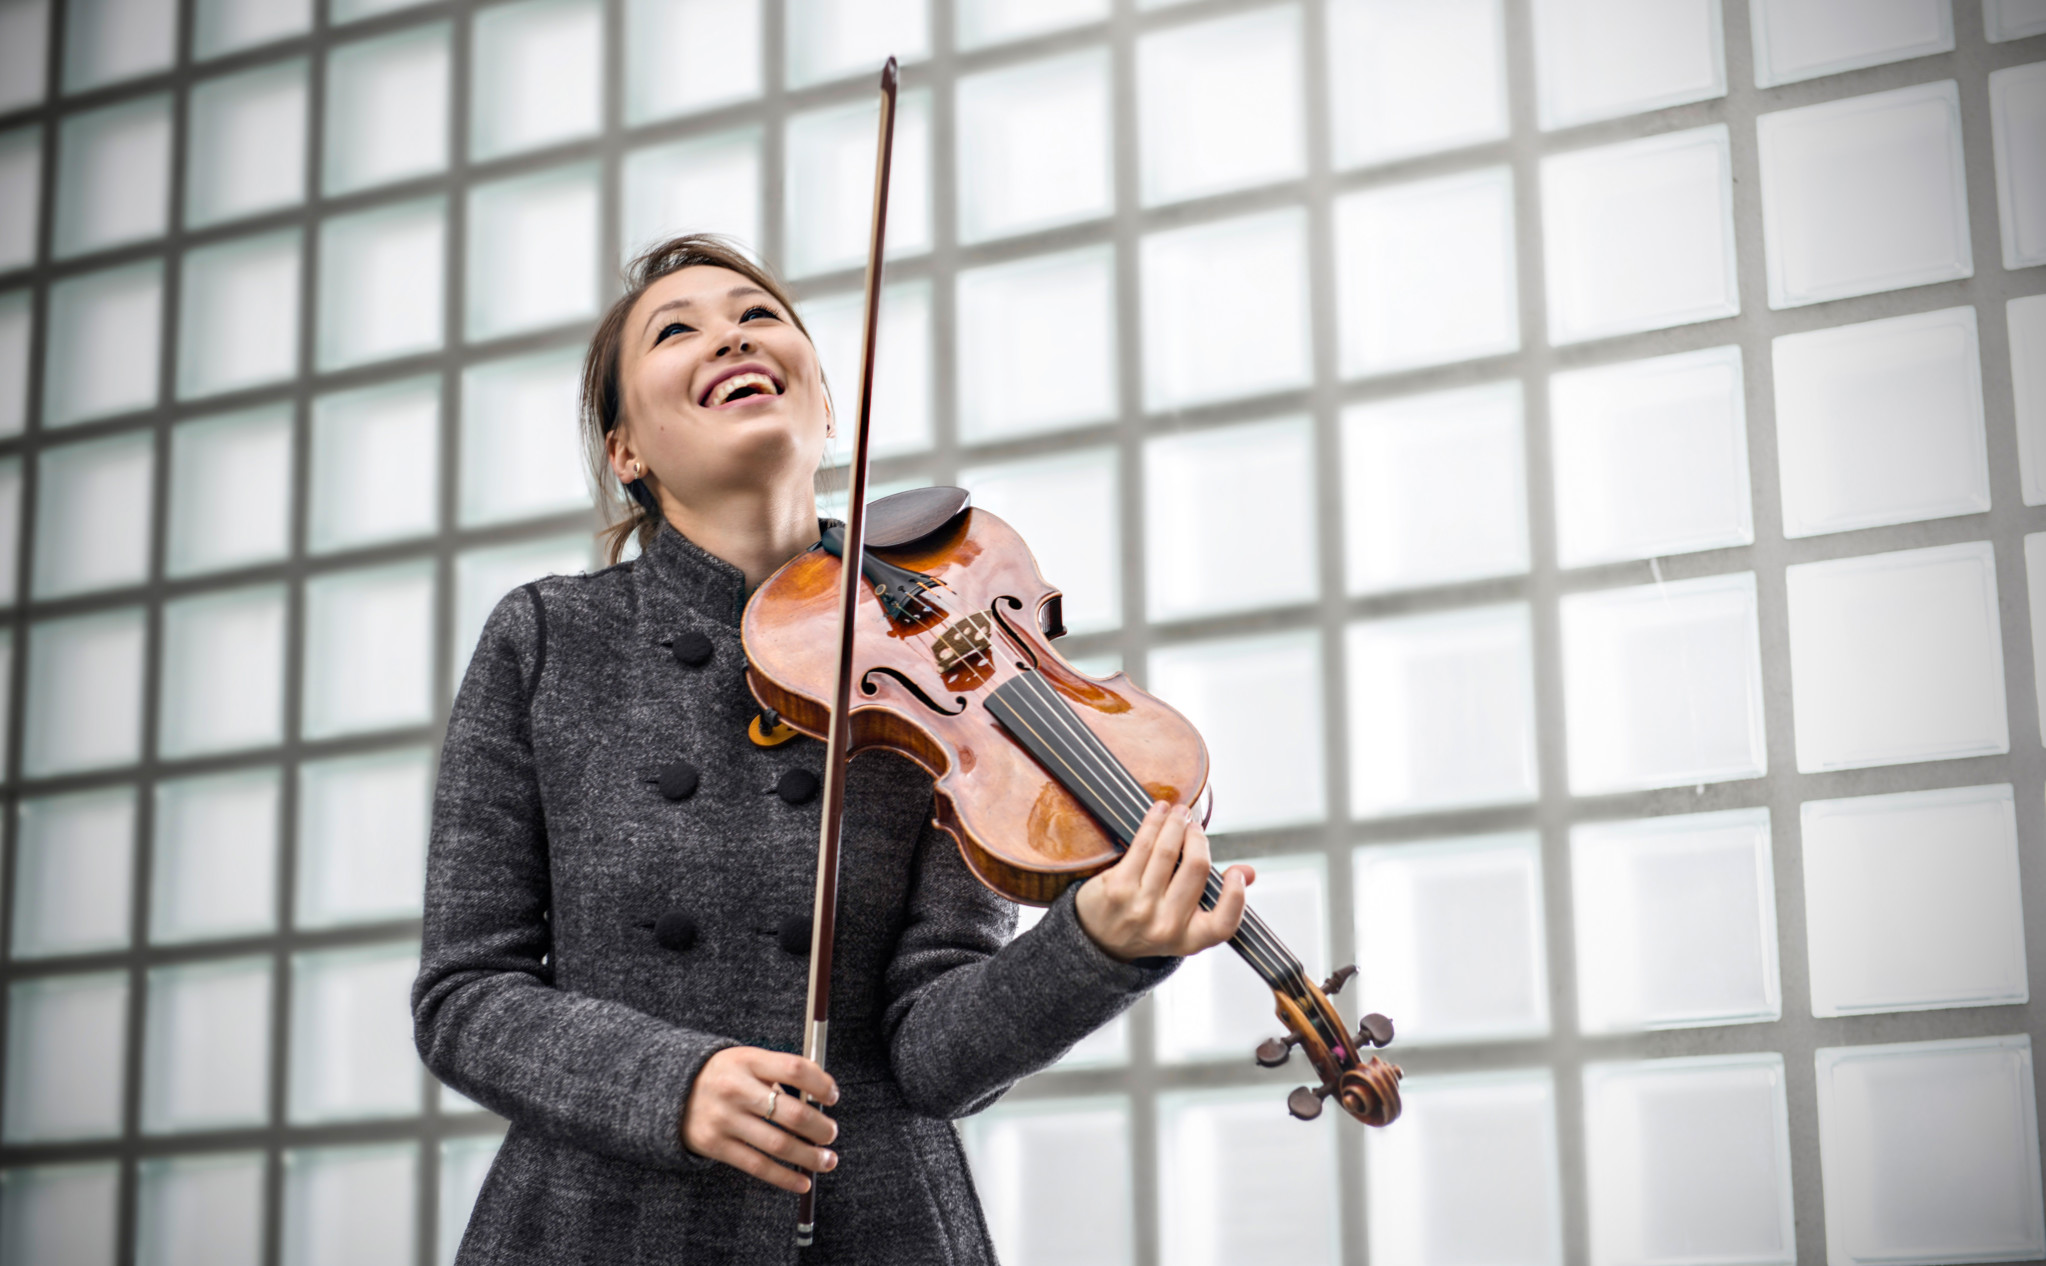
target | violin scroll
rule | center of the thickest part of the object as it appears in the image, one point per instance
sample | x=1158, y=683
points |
x=1367, y=1089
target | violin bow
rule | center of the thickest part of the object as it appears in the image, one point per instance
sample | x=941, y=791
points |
x=838, y=742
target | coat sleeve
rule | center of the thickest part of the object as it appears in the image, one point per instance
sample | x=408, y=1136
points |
x=487, y=1017
x=968, y=1016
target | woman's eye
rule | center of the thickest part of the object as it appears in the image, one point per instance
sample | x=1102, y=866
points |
x=674, y=328
x=758, y=311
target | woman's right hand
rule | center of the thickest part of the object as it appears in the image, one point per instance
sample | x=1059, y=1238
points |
x=726, y=1117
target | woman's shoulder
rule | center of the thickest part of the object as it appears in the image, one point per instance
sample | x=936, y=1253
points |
x=550, y=608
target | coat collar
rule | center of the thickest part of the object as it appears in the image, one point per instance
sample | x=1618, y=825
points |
x=680, y=570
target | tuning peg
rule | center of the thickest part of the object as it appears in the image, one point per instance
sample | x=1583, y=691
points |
x=1304, y=1103
x=1341, y=976
x=1374, y=1030
x=1274, y=1051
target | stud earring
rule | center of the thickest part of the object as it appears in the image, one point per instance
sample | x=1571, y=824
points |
x=635, y=470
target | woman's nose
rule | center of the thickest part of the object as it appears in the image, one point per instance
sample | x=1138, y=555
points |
x=735, y=342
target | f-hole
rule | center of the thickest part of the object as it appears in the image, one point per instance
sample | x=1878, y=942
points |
x=868, y=687
x=1016, y=639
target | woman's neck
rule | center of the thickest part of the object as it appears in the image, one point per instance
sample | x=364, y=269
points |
x=756, y=530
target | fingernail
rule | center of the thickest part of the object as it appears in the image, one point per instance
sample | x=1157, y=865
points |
x=831, y=1160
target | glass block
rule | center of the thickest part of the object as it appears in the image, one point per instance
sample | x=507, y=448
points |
x=1219, y=105
x=829, y=182
x=1911, y=901
x=464, y=1164
x=106, y=41
x=1016, y=319
x=1450, y=939
x=247, y=141
x=1034, y=146
x=1676, y=922
x=74, y=873
x=10, y=530
x=902, y=416
x=1639, y=235
x=84, y=693
x=1650, y=457
x=1600, y=59
x=1229, y=519
x=1688, y=1160
x=532, y=252
x=1212, y=290
x=362, y=838
x=24, y=55
x=1663, y=685
x=828, y=39
x=521, y=456
x=2017, y=106
x=1425, y=273
x=351, y=1034
x=230, y=491
x=1881, y=423
x=1215, y=1006
x=113, y=176
x=1257, y=703
x=1409, y=79
x=223, y=673
x=206, y=1061
x=368, y=650
x=101, y=354
x=16, y=319
x=977, y=23
x=689, y=55
x=204, y=1210
x=227, y=26
x=214, y=867
x=482, y=576
x=1804, y=39
x=387, y=109
x=2027, y=323
x=1470, y=1176
x=60, y=1213
x=1072, y=1155
x=21, y=192
x=326, y=1191
x=1888, y=165
x=380, y=284
x=538, y=78
x=66, y=1045
x=1065, y=508
x=1897, y=657
x=2013, y=19
x=1441, y=711
x=704, y=185
x=1240, y=1182
x=1434, y=489
x=238, y=314
x=340, y=11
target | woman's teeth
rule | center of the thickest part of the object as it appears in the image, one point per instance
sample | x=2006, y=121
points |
x=740, y=385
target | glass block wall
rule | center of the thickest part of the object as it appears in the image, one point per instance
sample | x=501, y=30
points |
x=1578, y=460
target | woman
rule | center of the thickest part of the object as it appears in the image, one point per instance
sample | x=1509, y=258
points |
x=616, y=936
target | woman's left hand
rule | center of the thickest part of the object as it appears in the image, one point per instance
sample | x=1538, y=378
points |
x=1149, y=903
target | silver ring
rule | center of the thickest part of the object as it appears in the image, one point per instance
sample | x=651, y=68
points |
x=773, y=1102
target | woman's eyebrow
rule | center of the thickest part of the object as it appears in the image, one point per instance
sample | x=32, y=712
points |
x=736, y=292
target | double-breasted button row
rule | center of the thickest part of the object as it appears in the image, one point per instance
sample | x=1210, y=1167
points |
x=679, y=780
x=676, y=931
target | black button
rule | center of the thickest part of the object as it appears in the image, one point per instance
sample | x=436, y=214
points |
x=678, y=781
x=692, y=649
x=795, y=935
x=675, y=930
x=797, y=786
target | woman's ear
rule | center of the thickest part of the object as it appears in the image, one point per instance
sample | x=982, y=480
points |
x=624, y=464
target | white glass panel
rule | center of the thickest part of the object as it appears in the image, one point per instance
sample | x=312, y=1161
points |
x=376, y=465
x=1257, y=702
x=214, y=866
x=351, y=1034
x=1881, y=423
x=1018, y=321
x=326, y=1192
x=520, y=453
x=2013, y=19
x=1650, y=457
x=1064, y=507
x=84, y=693
x=230, y=495
x=532, y=252
x=1864, y=194
x=1069, y=1155
x=223, y=672
x=224, y=26
x=1897, y=657
x=1663, y=684
x=1415, y=78
x=1600, y=59
x=113, y=176
x=355, y=10
x=21, y=192
x=981, y=22
x=369, y=652
x=1241, y=1182
x=387, y=109
x=24, y=51
x=1034, y=146
x=362, y=838
x=1688, y=1160
x=901, y=418
x=686, y=55
x=1450, y=939
x=247, y=147
x=93, y=513
x=1911, y=901
x=15, y=320
x=66, y=1045
x=200, y=1211
x=538, y=75
x=1215, y=1006
x=380, y=283
x=482, y=576
x=1229, y=519
x=10, y=530
x=206, y=1064
x=1470, y=1176
x=1214, y=290
x=705, y=185
x=65, y=1214
x=1676, y=922
x=1424, y=273
x=1803, y=39
x=2027, y=320
x=6, y=687
x=1640, y=235
x=830, y=38
x=101, y=357
x=1441, y=711
x=830, y=184
x=238, y=315
x=464, y=1164
x=1219, y=105
x=110, y=40
x=2017, y=104
x=74, y=873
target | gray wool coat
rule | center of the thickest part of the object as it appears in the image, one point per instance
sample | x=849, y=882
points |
x=552, y=991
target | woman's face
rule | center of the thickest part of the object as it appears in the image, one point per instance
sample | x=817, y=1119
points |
x=720, y=391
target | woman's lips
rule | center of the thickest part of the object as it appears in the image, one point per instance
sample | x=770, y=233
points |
x=737, y=379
